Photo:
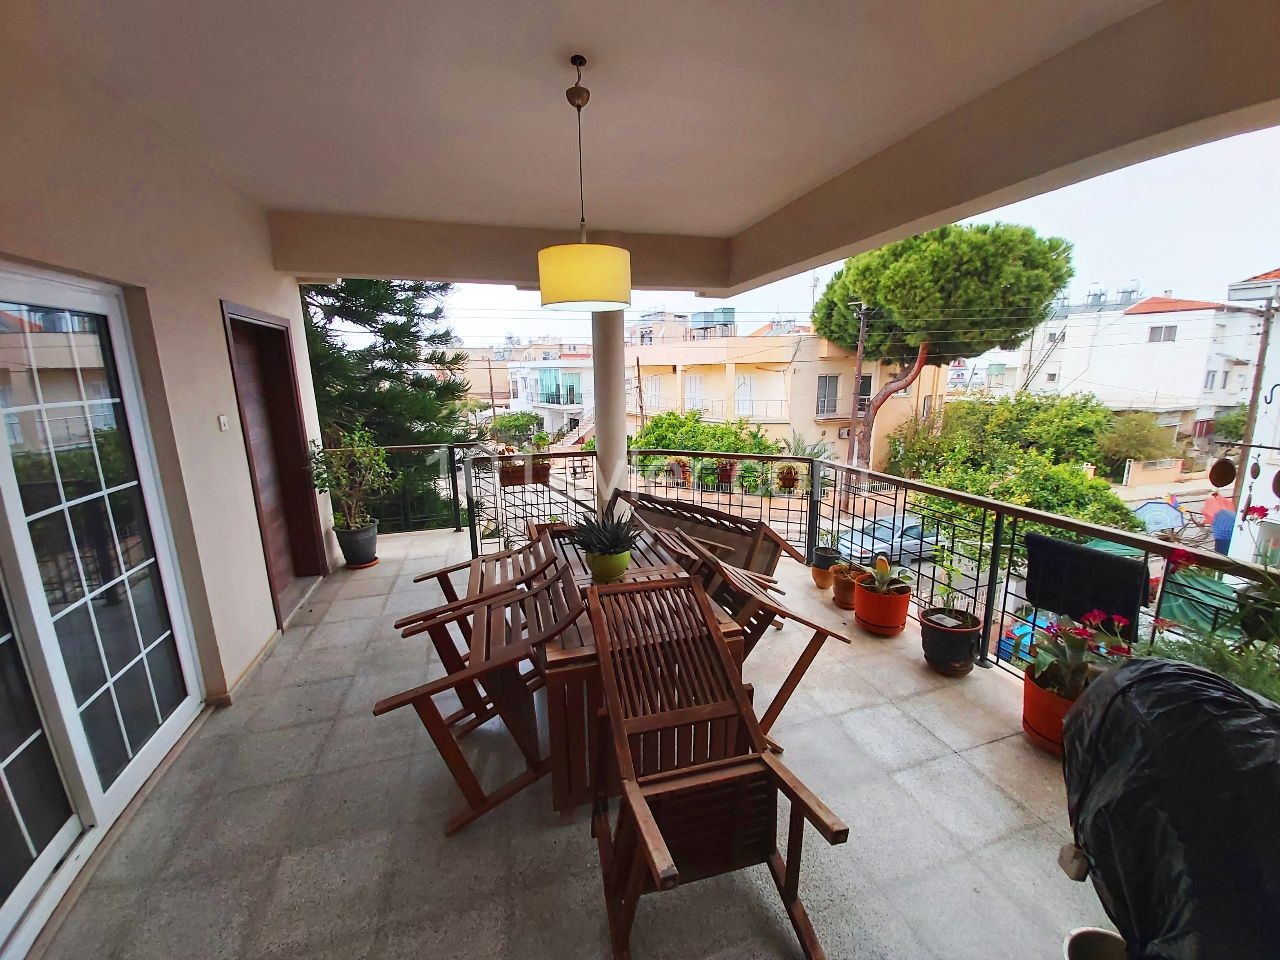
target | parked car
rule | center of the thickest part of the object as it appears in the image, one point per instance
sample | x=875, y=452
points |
x=903, y=537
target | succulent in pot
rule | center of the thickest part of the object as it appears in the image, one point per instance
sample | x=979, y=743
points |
x=1066, y=657
x=351, y=473
x=607, y=546
x=949, y=633
x=882, y=597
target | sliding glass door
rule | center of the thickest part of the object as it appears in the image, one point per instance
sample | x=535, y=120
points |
x=103, y=680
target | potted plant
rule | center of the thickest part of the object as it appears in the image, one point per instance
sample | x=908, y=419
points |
x=351, y=473
x=678, y=471
x=607, y=545
x=529, y=469
x=949, y=634
x=788, y=477
x=1066, y=654
x=726, y=470
x=825, y=555
x=843, y=578
x=882, y=597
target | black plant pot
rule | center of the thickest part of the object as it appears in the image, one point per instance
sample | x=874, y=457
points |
x=824, y=557
x=359, y=547
x=950, y=640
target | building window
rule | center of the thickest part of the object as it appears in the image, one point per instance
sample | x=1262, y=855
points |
x=1050, y=378
x=1211, y=379
x=515, y=389
x=926, y=407
x=1057, y=337
x=1162, y=334
x=828, y=394
x=864, y=393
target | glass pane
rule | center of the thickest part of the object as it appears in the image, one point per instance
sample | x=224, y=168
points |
x=133, y=693
x=105, y=743
x=37, y=787
x=114, y=618
x=97, y=370
x=33, y=463
x=114, y=447
x=133, y=533
x=15, y=855
x=57, y=561
x=18, y=716
x=149, y=605
x=80, y=653
x=166, y=676
x=96, y=542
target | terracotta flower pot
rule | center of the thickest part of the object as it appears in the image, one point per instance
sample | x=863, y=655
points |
x=725, y=472
x=842, y=592
x=787, y=479
x=1042, y=715
x=884, y=614
x=823, y=578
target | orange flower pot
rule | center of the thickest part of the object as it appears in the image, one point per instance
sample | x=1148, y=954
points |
x=884, y=614
x=1042, y=714
x=842, y=592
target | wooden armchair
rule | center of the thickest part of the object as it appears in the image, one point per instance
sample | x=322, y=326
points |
x=747, y=598
x=699, y=789
x=488, y=577
x=503, y=635
x=750, y=544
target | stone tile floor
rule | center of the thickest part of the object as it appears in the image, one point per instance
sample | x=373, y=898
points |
x=296, y=825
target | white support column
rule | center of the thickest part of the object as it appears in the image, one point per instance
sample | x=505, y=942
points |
x=608, y=359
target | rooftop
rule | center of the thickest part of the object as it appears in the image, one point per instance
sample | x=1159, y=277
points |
x=1174, y=305
x=294, y=824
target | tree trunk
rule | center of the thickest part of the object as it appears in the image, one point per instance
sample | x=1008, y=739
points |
x=877, y=401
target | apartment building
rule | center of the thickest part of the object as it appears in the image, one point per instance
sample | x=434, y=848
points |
x=1183, y=360
x=561, y=390
x=780, y=378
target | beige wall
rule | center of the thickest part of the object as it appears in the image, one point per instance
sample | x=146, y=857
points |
x=89, y=187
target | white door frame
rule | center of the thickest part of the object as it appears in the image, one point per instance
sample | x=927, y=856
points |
x=96, y=808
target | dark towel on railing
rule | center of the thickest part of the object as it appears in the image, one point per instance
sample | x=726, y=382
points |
x=1070, y=578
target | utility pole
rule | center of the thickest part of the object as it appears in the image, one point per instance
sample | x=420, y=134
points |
x=640, y=393
x=493, y=405
x=1268, y=314
x=854, y=414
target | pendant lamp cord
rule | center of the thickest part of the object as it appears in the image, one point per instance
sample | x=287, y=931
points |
x=582, y=203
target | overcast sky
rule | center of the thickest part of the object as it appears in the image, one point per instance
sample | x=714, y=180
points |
x=1191, y=222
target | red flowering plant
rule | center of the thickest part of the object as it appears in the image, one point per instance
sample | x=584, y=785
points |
x=1064, y=649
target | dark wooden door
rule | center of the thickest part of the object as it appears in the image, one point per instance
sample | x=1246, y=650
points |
x=264, y=460
x=264, y=367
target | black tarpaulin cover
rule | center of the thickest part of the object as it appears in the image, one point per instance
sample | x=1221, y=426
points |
x=1173, y=788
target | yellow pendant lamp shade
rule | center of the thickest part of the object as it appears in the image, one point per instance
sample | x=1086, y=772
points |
x=584, y=276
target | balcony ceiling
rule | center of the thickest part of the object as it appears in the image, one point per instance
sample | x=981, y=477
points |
x=706, y=117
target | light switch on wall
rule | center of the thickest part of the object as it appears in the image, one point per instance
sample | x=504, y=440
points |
x=224, y=422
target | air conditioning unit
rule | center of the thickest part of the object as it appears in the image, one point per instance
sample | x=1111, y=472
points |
x=843, y=433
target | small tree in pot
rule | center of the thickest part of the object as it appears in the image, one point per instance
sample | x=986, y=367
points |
x=825, y=556
x=949, y=634
x=607, y=544
x=351, y=473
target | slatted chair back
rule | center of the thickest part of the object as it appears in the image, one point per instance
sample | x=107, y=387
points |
x=699, y=791
x=750, y=544
x=670, y=684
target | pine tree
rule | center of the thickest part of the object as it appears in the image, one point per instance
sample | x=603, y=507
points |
x=381, y=356
x=953, y=292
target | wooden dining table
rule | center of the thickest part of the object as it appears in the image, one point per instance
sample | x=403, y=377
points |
x=572, y=669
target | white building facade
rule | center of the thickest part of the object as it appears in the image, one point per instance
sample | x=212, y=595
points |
x=560, y=390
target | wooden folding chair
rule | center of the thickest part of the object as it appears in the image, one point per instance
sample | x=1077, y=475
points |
x=746, y=597
x=699, y=788
x=505, y=631
x=488, y=577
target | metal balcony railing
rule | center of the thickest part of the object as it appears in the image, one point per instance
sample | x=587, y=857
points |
x=568, y=397
x=820, y=503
